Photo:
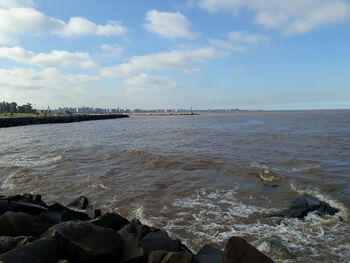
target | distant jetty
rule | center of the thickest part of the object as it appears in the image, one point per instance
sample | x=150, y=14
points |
x=21, y=121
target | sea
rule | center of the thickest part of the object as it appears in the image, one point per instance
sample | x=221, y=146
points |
x=203, y=178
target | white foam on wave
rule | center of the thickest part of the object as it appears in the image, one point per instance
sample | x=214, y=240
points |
x=100, y=185
x=34, y=161
x=213, y=216
x=140, y=214
x=9, y=183
x=306, y=168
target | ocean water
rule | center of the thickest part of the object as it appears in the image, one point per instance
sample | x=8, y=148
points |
x=198, y=177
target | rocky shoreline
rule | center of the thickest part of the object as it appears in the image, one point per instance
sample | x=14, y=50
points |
x=21, y=121
x=32, y=231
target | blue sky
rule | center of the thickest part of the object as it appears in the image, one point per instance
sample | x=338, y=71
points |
x=256, y=54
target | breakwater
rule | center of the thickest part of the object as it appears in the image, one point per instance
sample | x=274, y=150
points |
x=21, y=121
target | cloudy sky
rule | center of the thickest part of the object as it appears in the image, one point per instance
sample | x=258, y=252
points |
x=250, y=54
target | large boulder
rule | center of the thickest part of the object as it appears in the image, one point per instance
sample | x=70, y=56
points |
x=136, y=228
x=132, y=252
x=28, y=198
x=208, y=254
x=80, y=203
x=56, y=217
x=26, y=203
x=110, y=220
x=9, y=243
x=57, y=207
x=15, y=224
x=162, y=256
x=83, y=242
x=302, y=205
x=40, y=251
x=160, y=241
x=237, y=250
x=274, y=247
x=21, y=224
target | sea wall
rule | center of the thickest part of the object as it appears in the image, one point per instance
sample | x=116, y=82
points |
x=20, y=121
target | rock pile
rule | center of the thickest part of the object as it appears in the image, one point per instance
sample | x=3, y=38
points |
x=32, y=231
x=21, y=121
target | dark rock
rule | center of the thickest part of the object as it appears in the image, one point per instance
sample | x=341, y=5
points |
x=132, y=252
x=275, y=248
x=4, y=206
x=27, y=198
x=237, y=250
x=138, y=229
x=178, y=257
x=326, y=209
x=15, y=224
x=97, y=213
x=84, y=242
x=20, y=224
x=170, y=257
x=80, y=203
x=28, y=208
x=8, y=243
x=208, y=254
x=157, y=256
x=302, y=205
x=76, y=214
x=24, y=197
x=110, y=220
x=57, y=217
x=160, y=241
x=40, y=251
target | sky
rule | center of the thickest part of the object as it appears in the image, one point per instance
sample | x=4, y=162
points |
x=152, y=54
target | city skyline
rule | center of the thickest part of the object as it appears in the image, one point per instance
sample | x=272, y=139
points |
x=205, y=54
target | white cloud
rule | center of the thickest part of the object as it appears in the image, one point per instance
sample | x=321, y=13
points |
x=81, y=26
x=15, y=3
x=18, y=21
x=155, y=82
x=48, y=77
x=291, y=17
x=173, y=60
x=245, y=37
x=113, y=50
x=169, y=25
x=56, y=58
x=329, y=13
x=226, y=45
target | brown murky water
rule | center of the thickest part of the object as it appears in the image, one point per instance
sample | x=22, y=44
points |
x=197, y=176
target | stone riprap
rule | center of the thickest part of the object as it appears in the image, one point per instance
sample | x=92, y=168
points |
x=32, y=231
x=21, y=121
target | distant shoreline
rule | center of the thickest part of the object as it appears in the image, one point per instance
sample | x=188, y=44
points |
x=163, y=114
x=22, y=121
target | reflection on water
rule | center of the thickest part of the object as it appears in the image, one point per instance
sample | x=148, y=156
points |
x=203, y=178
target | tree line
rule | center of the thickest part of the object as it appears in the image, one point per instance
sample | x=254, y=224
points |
x=13, y=107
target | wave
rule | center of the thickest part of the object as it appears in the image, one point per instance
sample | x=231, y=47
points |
x=212, y=216
x=343, y=213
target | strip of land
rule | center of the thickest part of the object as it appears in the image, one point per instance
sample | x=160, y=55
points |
x=21, y=121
